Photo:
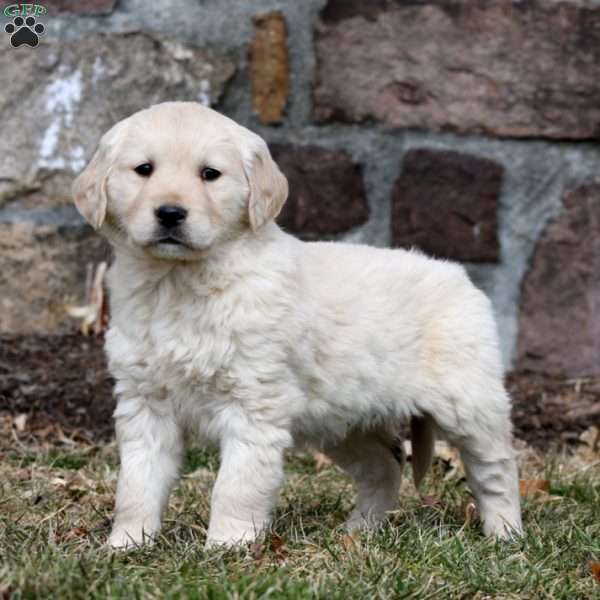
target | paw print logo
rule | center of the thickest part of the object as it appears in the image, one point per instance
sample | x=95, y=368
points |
x=24, y=31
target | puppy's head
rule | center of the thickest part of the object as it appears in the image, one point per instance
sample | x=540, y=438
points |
x=179, y=178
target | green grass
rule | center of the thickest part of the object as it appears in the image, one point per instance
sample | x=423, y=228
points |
x=56, y=506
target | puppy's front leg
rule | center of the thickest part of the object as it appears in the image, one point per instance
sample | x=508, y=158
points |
x=150, y=448
x=246, y=489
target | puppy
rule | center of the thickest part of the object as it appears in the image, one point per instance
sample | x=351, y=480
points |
x=225, y=326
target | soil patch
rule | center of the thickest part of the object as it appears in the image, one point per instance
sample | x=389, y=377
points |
x=551, y=412
x=57, y=380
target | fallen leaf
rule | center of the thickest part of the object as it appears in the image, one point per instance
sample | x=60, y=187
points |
x=322, y=461
x=46, y=432
x=257, y=551
x=533, y=487
x=20, y=421
x=595, y=569
x=278, y=546
x=76, y=532
x=23, y=475
x=432, y=502
x=276, y=542
x=350, y=541
x=470, y=510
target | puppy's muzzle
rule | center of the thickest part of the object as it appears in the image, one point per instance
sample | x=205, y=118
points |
x=170, y=216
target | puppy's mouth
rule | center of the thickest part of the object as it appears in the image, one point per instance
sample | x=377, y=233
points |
x=173, y=244
x=170, y=239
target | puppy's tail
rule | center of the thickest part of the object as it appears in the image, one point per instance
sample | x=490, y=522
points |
x=423, y=440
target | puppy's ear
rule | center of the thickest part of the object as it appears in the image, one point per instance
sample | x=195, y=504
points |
x=89, y=190
x=268, y=187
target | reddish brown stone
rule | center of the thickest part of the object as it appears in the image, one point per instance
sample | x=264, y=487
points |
x=327, y=195
x=268, y=66
x=516, y=69
x=80, y=7
x=559, y=329
x=445, y=204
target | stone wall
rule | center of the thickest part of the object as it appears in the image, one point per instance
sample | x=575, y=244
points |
x=469, y=129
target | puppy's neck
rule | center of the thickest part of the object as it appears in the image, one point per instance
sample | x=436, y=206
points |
x=213, y=271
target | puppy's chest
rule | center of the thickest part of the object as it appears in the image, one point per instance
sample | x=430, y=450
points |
x=186, y=351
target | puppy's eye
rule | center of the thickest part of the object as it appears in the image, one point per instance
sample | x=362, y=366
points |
x=145, y=169
x=209, y=174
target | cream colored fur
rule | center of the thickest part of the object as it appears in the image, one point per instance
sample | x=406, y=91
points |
x=253, y=340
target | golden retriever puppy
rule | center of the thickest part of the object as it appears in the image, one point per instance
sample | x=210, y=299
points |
x=224, y=326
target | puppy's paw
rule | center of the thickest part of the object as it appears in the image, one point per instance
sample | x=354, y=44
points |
x=214, y=543
x=503, y=529
x=128, y=538
x=359, y=522
x=231, y=538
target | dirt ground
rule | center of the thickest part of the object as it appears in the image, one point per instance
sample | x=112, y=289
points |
x=61, y=384
x=57, y=381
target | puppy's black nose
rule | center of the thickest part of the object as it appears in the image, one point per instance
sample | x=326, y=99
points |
x=170, y=215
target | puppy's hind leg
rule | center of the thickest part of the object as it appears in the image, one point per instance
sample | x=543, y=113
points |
x=495, y=485
x=485, y=443
x=369, y=460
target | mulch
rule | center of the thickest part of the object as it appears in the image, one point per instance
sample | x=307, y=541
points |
x=57, y=380
x=61, y=381
x=551, y=411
